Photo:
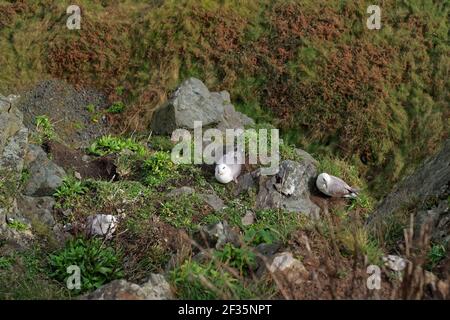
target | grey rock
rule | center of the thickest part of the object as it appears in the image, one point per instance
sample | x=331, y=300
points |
x=306, y=156
x=289, y=189
x=247, y=181
x=181, y=191
x=232, y=119
x=267, y=249
x=10, y=120
x=117, y=290
x=157, y=288
x=219, y=234
x=12, y=157
x=192, y=101
x=13, y=135
x=213, y=200
x=286, y=267
x=45, y=175
x=248, y=218
x=37, y=209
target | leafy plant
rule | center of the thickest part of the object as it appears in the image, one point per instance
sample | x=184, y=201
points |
x=70, y=188
x=255, y=235
x=17, y=225
x=69, y=193
x=90, y=108
x=25, y=176
x=98, y=263
x=44, y=128
x=116, y=107
x=239, y=258
x=158, y=168
x=108, y=144
x=161, y=143
x=179, y=211
x=6, y=262
x=435, y=255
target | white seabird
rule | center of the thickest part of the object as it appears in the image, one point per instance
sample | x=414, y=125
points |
x=228, y=167
x=335, y=187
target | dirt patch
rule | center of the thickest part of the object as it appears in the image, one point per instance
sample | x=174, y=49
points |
x=67, y=109
x=73, y=160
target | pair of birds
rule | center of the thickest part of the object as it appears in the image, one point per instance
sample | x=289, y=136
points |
x=228, y=169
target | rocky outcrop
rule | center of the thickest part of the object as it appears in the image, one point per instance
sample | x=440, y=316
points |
x=427, y=191
x=13, y=135
x=156, y=288
x=289, y=189
x=192, y=101
x=21, y=214
x=45, y=175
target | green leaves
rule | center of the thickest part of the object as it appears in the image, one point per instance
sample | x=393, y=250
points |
x=98, y=263
x=44, y=129
x=158, y=168
x=242, y=259
x=116, y=107
x=109, y=144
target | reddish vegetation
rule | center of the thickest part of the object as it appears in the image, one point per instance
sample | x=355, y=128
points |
x=94, y=57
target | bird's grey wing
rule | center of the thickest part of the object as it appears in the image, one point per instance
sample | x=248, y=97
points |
x=338, y=188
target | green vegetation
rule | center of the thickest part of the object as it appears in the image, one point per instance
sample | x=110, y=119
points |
x=44, y=129
x=70, y=190
x=158, y=168
x=374, y=99
x=243, y=259
x=205, y=281
x=90, y=108
x=108, y=144
x=17, y=225
x=161, y=143
x=98, y=263
x=436, y=254
x=23, y=276
x=116, y=107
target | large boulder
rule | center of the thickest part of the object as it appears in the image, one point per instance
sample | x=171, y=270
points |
x=192, y=101
x=45, y=175
x=289, y=189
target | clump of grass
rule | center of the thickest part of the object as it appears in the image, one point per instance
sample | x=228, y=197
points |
x=98, y=263
x=243, y=259
x=90, y=108
x=17, y=225
x=158, y=168
x=70, y=190
x=108, y=144
x=23, y=276
x=44, y=128
x=161, y=143
x=116, y=107
x=197, y=281
x=181, y=211
x=356, y=240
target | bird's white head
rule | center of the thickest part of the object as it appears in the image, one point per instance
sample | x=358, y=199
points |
x=322, y=181
x=223, y=173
